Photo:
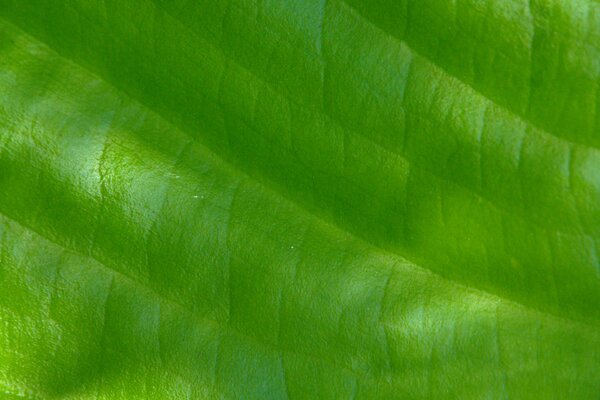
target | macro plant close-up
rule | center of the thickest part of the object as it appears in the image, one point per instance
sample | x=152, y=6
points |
x=299, y=199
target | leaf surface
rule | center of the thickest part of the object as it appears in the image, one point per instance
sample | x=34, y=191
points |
x=299, y=199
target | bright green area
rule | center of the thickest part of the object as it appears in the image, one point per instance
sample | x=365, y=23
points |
x=299, y=199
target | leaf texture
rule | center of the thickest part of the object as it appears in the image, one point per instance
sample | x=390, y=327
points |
x=299, y=199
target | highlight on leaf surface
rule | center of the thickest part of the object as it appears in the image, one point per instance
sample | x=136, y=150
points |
x=250, y=199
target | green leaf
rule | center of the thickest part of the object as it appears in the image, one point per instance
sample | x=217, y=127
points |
x=299, y=199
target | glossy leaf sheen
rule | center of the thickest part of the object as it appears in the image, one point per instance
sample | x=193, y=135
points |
x=300, y=199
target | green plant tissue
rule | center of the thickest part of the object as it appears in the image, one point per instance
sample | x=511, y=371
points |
x=299, y=199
